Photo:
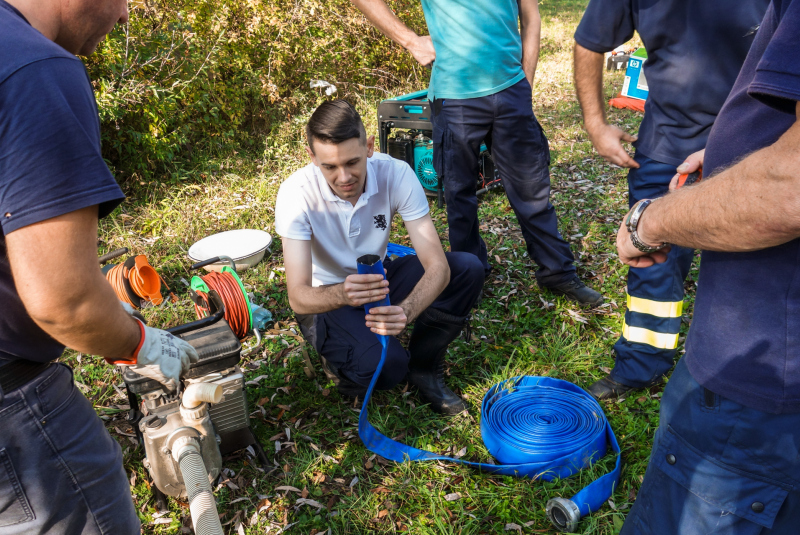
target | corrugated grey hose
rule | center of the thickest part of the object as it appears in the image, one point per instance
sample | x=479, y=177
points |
x=201, y=500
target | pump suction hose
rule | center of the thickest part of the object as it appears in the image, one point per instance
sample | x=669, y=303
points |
x=202, y=506
x=198, y=393
x=186, y=451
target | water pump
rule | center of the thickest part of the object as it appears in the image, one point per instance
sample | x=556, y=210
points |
x=185, y=433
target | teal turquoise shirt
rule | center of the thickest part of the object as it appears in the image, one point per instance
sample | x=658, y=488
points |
x=478, y=47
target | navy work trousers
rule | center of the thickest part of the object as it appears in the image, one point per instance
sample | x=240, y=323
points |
x=718, y=467
x=505, y=122
x=649, y=340
x=60, y=470
x=342, y=337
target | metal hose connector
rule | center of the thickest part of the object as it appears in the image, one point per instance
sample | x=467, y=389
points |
x=198, y=490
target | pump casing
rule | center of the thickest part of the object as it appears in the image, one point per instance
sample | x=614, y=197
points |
x=161, y=431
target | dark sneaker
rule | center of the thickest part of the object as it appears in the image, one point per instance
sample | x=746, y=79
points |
x=607, y=388
x=577, y=291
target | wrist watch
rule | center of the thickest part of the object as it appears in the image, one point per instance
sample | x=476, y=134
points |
x=632, y=222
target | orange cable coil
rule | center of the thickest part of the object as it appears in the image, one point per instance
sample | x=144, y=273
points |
x=236, y=311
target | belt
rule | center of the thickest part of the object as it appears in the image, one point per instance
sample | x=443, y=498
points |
x=538, y=427
x=19, y=372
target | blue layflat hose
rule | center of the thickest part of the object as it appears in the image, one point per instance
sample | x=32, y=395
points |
x=537, y=427
x=395, y=249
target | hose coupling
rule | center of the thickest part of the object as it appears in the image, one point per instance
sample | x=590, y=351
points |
x=564, y=514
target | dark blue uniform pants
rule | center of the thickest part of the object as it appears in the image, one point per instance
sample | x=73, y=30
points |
x=718, y=467
x=342, y=337
x=649, y=340
x=60, y=471
x=505, y=122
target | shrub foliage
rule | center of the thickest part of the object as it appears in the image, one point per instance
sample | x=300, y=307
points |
x=190, y=77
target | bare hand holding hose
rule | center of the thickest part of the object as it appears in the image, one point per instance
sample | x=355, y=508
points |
x=358, y=290
x=390, y=320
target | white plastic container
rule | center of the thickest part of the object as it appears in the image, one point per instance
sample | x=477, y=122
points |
x=247, y=247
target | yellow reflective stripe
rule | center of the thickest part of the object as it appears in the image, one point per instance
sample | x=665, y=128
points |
x=651, y=338
x=655, y=308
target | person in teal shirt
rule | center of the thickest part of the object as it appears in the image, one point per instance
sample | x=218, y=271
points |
x=483, y=55
x=478, y=62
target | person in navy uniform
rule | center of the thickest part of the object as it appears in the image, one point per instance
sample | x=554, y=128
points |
x=725, y=455
x=694, y=53
x=60, y=470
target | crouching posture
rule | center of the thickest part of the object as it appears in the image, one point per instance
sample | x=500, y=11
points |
x=340, y=207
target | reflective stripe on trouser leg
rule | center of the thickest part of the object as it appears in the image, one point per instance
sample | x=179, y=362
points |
x=655, y=323
x=649, y=340
x=662, y=309
x=641, y=335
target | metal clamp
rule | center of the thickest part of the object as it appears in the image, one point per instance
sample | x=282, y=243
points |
x=255, y=347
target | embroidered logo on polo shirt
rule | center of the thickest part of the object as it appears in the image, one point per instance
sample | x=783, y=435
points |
x=380, y=221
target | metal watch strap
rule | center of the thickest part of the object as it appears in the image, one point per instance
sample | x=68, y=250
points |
x=632, y=225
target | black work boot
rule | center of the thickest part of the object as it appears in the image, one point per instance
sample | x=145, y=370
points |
x=577, y=291
x=433, y=332
x=607, y=388
x=346, y=387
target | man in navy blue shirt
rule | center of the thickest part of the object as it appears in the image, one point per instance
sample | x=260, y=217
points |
x=725, y=455
x=60, y=470
x=694, y=53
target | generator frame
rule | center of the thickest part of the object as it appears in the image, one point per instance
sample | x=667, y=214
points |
x=413, y=112
x=410, y=112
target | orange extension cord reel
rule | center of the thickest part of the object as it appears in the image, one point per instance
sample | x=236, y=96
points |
x=135, y=281
x=231, y=290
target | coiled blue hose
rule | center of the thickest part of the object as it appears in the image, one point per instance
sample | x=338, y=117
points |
x=537, y=427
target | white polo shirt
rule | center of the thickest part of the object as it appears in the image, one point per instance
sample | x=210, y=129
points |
x=307, y=209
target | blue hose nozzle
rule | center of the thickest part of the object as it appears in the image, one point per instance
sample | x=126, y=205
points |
x=370, y=264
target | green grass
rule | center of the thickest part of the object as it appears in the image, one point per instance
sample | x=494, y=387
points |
x=518, y=329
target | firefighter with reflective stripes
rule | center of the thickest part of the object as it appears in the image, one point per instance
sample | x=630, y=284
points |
x=725, y=454
x=689, y=73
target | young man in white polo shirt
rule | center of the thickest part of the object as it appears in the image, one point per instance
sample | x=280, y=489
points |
x=340, y=207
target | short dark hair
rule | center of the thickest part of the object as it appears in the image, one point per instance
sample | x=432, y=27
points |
x=335, y=121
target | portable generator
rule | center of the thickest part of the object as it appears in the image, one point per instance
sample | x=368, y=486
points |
x=416, y=149
x=207, y=418
x=407, y=119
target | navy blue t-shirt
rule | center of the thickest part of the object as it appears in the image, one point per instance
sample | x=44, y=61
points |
x=744, y=342
x=694, y=53
x=50, y=161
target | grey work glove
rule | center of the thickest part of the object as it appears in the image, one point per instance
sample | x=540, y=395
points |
x=164, y=357
x=161, y=356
